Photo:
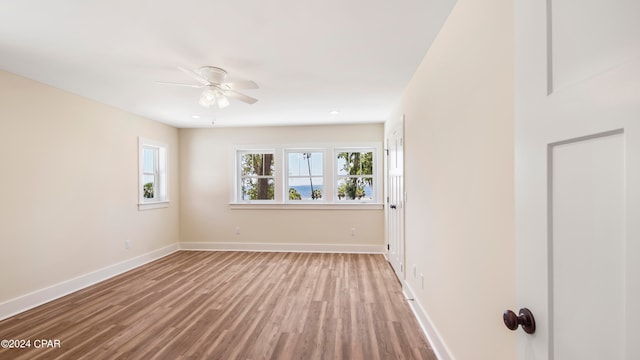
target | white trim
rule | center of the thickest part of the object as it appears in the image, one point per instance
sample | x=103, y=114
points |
x=153, y=205
x=255, y=247
x=25, y=302
x=433, y=336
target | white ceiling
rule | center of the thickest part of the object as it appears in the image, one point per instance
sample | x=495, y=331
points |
x=308, y=57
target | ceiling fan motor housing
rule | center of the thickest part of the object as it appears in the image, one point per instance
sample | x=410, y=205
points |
x=213, y=74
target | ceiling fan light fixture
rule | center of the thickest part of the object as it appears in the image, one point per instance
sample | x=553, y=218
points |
x=208, y=97
x=221, y=100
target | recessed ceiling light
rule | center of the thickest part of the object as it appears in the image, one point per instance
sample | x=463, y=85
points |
x=195, y=116
x=334, y=112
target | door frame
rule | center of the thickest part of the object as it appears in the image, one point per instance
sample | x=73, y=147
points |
x=392, y=128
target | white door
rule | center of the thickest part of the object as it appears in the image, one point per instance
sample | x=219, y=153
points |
x=578, y=177
x=395, y=203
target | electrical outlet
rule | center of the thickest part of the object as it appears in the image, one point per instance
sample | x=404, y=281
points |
x=127, y=244
x=353, y=231
x=415, y=270
x=237, y=230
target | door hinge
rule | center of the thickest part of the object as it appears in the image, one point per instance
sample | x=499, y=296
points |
x=388, y=247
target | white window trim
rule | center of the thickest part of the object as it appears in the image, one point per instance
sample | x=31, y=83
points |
x=377, y=178
x=162, y=200
x=330, y=198
x=238, y=174
x=285, y=182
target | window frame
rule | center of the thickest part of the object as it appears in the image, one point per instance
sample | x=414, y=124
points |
x=160, y=174
x=153, y=173
x=239, y=176
x=287, y=177
x=281, y=195
x=374, y=176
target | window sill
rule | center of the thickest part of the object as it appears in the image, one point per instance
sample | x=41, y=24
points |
x=306, y=206
x=153, y=205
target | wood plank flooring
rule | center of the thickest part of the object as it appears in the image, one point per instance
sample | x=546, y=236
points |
x=230, y=305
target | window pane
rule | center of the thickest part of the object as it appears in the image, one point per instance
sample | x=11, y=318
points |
x=258, y=189
x=355, y=163
x=257, y=164
x=148, y=163
x=305, y=163
x=148, y=187
x=306, y=188
x=152, y=167
x=355, y=188
x=366, y=163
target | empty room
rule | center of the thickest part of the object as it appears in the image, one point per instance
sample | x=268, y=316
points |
x=424, y=179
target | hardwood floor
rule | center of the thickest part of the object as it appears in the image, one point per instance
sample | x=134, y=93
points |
x=230, y=305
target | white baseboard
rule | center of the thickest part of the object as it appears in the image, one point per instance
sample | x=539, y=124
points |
x=25, y=302
x=319, y=248
x=433, y=336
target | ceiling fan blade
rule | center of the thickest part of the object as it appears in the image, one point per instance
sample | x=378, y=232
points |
x=240, y=85
x=238, y=96
x=180, y=84
x=194, y=75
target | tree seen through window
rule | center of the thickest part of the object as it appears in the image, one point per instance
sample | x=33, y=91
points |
x=257, y=172
x=355, y=175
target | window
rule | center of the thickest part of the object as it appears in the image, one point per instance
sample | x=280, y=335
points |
x=305, y=180
x=355, y=174
x=302, y=175
x=152, y=174
x=257, y=175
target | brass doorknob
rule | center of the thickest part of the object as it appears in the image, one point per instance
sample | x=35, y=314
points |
x=525, y=319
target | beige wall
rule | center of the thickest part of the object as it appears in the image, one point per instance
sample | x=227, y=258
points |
x=459, y=180
x=206, y=167
x=69, y=186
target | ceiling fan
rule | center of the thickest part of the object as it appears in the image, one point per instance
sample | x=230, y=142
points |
x=216, y=91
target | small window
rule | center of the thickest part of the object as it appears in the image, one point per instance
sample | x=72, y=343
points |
x=152, y=174
x=355, y=171
x=257, y=175
x=305, y=179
